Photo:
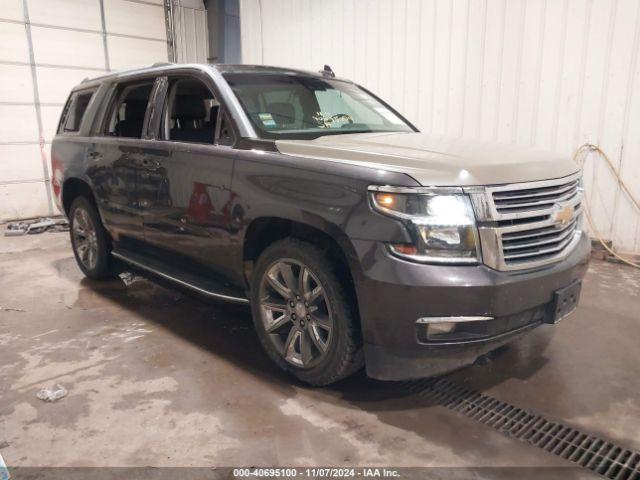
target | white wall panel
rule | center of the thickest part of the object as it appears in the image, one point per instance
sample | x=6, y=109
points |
x=50, y=117
x=15, y=83
x=13, y=38
x=12, y=10
x=190, y=32
x=551, y=74
x=23, y=200
x=19, y=123
x=132, y=18
x=55, y=83
x=66, y=13
x=65, y=47
x=21, y=163
x=131, y=52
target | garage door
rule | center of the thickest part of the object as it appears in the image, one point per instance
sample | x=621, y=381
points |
x=46, y=47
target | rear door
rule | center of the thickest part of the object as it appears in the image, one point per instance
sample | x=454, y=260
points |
x=115, y=155
x=185, y=184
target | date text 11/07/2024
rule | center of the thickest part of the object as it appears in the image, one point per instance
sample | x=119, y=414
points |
x=317, y=472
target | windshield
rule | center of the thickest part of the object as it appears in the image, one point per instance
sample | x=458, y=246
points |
x=298, y=107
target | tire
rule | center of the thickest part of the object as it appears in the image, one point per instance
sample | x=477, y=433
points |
x=90, y=241
x=315, y=336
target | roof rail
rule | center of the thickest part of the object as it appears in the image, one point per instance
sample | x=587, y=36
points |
x=162, y=64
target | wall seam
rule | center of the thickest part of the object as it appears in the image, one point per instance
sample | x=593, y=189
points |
x=516, y=93
x=36, y=99
x=626, y=120
x=605, y=71
x=465, y=56
x=447, y=100
x=536, y=95
x=404, y=57
x=84, y=30
x=561, y=57
x=583, y=67
x=500, y=65
x=105, y=45
x=419, y=58
x=482, y=71
x=433, y=67
x=603, y=106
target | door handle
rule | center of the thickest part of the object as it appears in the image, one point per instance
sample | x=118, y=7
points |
x=94, y=155
x=149, y=164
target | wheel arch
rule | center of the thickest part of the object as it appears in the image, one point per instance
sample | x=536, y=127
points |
x=264, y=231
x=74, y=187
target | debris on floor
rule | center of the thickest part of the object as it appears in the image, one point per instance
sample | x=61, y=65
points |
x=37, y=226
x=52, y=394
x=128, y=278
x=12, y=309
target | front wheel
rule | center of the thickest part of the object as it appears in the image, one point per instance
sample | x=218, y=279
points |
x=302, y=315
x=90, y=241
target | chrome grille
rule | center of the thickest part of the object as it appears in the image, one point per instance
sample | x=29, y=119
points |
x=538, y=244
x=528, y=199
x=527, y=225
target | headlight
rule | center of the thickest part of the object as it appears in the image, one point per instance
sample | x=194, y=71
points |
x=443, y=226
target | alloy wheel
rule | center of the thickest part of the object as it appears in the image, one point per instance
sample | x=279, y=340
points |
x=295, y=312
x=85, y=239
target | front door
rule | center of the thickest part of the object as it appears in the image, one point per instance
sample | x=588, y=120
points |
x=185, y=180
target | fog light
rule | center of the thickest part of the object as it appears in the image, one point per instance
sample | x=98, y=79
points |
x=440, y=328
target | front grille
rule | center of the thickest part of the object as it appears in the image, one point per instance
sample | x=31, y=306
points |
x=536, y=244
x=536, y=198
x=527, y=225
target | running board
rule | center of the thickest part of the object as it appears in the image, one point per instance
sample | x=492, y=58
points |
x=202, y=285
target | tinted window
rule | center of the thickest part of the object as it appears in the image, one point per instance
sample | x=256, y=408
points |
x=126, y=118
x=75, y=110
x=298, y=106
x=191, y=112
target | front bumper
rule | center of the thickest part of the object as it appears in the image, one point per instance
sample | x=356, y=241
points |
x=393, y=294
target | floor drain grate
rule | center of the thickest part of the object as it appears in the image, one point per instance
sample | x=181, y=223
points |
x=599, y=456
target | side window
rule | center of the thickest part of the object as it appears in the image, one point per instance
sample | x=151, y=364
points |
x=126, y=116
x=74, y=111
x=191, y=112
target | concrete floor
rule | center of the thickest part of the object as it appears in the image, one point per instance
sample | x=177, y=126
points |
x=159, y=378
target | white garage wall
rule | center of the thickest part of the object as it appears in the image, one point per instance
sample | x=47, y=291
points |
x=553, y=74
x=48, y=46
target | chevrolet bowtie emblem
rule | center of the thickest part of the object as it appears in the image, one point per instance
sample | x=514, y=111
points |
x=563, y=215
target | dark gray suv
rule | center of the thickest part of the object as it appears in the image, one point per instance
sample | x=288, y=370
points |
x=357, y=240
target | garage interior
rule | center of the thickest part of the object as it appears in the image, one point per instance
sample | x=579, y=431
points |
x=157, y=377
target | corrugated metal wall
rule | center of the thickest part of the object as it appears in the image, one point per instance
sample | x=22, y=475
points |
x=553, y=74
x=190, y=32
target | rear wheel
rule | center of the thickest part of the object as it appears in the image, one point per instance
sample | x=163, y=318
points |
x=90, y=241
x=302, y=315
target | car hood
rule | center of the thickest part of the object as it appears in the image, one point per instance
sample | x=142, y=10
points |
x=435, y=160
